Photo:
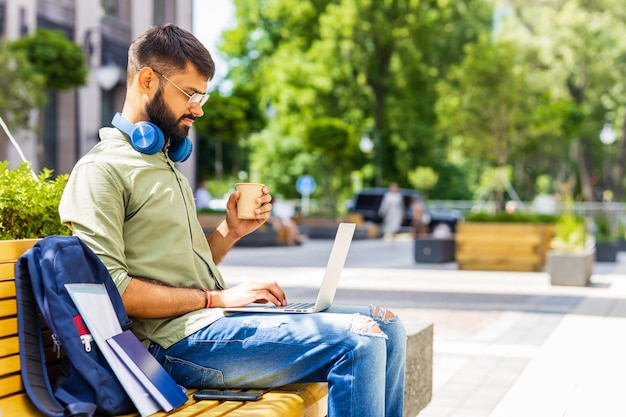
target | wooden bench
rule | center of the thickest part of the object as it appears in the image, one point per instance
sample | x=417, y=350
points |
x=308, y=400
x=297, y=400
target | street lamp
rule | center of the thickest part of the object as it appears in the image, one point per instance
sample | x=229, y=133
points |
x=366, y=145
x=108, y=75
x=607, y=137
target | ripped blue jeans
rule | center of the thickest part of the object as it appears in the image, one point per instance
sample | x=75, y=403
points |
x=363, y=360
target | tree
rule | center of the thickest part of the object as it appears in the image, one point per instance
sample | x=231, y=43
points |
x=492, y=111
x=59, y=61
x=578, y=48
x=371, y=64
x=336, y=147
x=228, y=120
x=21, y=90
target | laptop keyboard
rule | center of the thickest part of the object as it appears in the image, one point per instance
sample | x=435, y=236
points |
x=294, y=306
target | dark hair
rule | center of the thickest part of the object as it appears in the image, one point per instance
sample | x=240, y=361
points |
x=167, y=49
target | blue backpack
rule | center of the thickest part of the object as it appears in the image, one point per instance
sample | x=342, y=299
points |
x=86, y=385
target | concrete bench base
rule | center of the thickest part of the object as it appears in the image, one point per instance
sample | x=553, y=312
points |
x=418, y=390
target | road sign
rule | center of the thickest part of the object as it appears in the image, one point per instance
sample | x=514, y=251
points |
x=305, y=184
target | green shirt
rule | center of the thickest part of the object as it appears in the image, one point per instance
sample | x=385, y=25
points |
x=137, y=213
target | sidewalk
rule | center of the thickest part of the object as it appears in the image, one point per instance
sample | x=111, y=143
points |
x=506, y=343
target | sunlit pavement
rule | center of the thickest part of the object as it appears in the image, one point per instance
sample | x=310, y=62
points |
x=506, y=343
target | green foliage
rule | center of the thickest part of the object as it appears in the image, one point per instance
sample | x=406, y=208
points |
x=21, y=89
x=372, y=65
x=570, y=233
x=330, y=136
x=29, y=205
x=504, y=217
x=58, y=59
x=532, y=93
x=223, y=133
x=603, y=232
x=423, y=178
x=336, y=147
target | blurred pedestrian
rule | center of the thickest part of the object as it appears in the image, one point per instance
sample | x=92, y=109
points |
x=392, y=211
x=283, y=217
x=202, y=196
x=418, y=225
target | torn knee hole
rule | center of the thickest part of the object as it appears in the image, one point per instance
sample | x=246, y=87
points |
x=382, y=313
x=362, y=324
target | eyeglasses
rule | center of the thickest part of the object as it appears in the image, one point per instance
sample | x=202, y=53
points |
x=194, y=99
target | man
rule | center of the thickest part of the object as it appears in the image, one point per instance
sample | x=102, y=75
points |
x=136, y=212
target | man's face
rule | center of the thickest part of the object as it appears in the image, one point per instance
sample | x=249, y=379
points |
x=162, y=116
x=178, y=102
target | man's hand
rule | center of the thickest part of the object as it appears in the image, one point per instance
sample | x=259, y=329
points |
x=233, y=228
x=241, y=227
x=250, y=292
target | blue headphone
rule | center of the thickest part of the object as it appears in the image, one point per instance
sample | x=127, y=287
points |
x=147, y=138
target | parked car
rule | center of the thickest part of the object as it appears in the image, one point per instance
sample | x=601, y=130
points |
x=367, y=202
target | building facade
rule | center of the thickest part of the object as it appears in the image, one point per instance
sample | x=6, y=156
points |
x=104, y=29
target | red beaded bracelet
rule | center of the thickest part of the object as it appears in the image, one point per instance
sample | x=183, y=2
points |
x=208, y=298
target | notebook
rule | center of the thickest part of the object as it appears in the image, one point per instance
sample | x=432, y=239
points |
x=147, y=370
x=327, y=290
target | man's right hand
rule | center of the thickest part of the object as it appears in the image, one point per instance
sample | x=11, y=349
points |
x=250, y=292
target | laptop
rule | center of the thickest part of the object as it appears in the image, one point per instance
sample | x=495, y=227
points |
x=327, y=290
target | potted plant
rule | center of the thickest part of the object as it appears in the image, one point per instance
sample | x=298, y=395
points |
x=570, y=261
x=503, y=241
x=28, y=211
x=607, y=244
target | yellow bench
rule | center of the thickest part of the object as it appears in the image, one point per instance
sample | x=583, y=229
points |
x=309, y=400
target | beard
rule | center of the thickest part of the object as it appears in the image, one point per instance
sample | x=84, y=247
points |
x=162, y=116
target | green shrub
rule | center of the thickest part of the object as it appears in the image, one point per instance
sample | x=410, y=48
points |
x=504, y=217
x=603, y=232
x=570, y=233
x=29, y=205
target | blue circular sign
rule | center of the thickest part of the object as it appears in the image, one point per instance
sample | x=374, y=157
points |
x=305, y=184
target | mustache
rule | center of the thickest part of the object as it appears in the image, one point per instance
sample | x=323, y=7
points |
x=187, y=116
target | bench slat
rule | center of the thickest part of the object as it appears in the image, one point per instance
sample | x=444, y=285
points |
x=18, y=405
x=9, y=365
x=8, y=327
x=7, y=289
x=8, y=308
x=9, y=346
x=7, y=270
x=10, y=384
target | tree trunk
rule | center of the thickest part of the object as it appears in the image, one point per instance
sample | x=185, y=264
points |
x=618, y=167
x=219, y=160
x=584, y=168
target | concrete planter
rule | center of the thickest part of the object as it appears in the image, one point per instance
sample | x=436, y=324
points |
x=486, y=246
x=571, y=268
x=433, y=250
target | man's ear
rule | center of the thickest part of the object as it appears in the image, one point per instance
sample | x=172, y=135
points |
x=147, y=80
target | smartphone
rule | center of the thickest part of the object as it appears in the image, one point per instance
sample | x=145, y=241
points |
x=210, y=394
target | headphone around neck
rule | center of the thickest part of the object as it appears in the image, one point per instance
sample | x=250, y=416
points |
x=147, y=138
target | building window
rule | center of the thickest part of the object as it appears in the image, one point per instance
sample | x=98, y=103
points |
x=111, y=8
x=2, y=17
x=164, y=12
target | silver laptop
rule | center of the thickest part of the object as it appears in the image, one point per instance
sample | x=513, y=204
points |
x=326, y=294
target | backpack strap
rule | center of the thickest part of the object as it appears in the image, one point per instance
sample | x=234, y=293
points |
x=32, y=359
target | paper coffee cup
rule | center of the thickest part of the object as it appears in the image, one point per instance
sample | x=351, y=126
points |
x=246, y=204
